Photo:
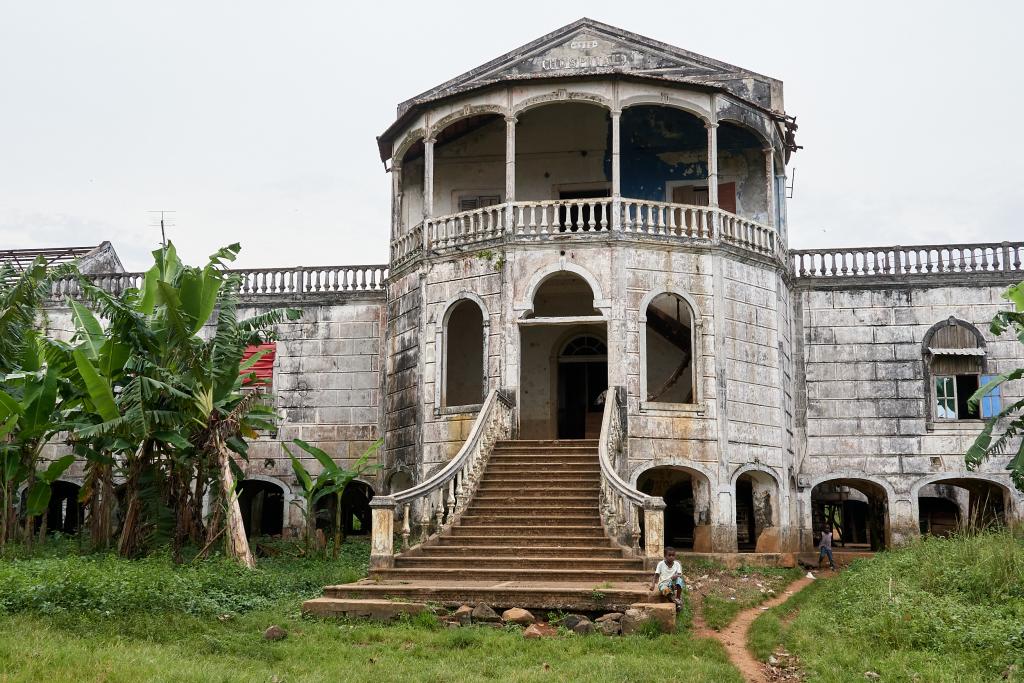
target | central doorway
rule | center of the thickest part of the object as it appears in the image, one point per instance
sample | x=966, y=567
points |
x=582, y=381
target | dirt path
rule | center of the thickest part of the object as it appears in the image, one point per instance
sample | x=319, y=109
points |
x=734, y=636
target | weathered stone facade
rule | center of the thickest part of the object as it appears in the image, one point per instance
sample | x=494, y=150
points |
x=803, y=388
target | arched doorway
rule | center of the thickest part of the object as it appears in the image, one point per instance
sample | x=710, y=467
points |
x=563, y=370
x=687, y=496
x=356, y=518
x=948, y=505
x=262, y=505
x=64, y=514
x=856, y=510
x=582, y=380
x=757, y=511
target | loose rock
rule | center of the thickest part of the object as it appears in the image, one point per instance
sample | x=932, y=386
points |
x=464, y=615
x=611, y=616
x=609, y=628
x=571, y=620
x=483, y=613
x=584, y=627
x=535, y=631
x=517, y=615
x=275, y=632
x=662, y=613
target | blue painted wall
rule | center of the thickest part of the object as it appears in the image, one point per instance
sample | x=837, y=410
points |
x=650, y=133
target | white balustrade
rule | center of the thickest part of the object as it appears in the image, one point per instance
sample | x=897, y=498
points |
x=622, y=504
x=466, y=227
x=254, y=282
x=662, y=218
x=434, y=505
x=562, y=216
x=992, y=257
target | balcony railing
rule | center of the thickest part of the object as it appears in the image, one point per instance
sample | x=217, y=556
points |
x=566, y=218
x=992, y=257
x=257, y=281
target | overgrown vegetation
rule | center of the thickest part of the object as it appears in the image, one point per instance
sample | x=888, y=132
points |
x=143, y=395
x=78, y=618
x=938, y=610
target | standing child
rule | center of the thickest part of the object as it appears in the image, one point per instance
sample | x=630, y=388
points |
x=825, y=547
x=668, y=577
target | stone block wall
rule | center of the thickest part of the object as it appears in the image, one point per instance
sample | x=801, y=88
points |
x=865, y=402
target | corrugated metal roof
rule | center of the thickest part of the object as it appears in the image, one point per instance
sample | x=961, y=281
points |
x=976, y=351
x=20, y=259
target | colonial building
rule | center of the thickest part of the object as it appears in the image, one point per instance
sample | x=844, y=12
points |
x=590, y=259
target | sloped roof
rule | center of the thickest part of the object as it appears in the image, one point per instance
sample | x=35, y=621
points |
x=586, y=48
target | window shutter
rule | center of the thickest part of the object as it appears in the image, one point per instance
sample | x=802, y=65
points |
x=727, y=197
x=263, y=370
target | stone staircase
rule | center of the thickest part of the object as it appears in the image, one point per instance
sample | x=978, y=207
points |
x=530, y=537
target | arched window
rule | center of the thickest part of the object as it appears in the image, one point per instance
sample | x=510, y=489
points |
x=464, y=368
x=954, y=355
x=564, y=294
x=669, y=350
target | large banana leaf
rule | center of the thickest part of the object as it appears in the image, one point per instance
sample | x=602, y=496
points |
x=99, y=389
x=89, y=328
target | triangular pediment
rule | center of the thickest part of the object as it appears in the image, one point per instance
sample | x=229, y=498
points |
x=588, y=47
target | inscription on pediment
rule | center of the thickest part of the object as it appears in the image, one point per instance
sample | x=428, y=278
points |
x=584, y=52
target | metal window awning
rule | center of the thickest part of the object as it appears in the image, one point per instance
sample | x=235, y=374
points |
x=975, y=351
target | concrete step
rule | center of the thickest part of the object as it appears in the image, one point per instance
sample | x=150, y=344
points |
x=515, y=507
x=509, y=574
x=539, y=484
x=527, y=500
x=548, y=443
x=514, y=519
x=473, y=536
x=529, y=595
x=513, y=531
x=554, y=468
x=447, y=551
x=515, y=563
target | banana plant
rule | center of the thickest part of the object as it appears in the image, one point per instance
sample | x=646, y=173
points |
x=172, y=393
x=34, y=393
x=333, y=479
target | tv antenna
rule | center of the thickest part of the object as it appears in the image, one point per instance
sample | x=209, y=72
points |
x=165, y=219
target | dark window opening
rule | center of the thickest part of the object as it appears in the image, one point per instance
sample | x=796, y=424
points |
x=262, y=506
x=464, y=356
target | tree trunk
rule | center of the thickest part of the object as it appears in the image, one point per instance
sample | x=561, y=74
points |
x=339, y=533
x=130, y=543
x=237, y=545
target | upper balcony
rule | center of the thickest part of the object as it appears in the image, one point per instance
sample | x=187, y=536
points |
x=571, y=168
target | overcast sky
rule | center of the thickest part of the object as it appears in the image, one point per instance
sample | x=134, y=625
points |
x=255, y=121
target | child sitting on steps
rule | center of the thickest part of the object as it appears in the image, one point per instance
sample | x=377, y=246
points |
x=668, y=577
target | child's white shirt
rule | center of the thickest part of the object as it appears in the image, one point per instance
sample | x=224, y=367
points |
x=666, y=572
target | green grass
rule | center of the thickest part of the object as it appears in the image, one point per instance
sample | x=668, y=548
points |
x=719, y=610
x=88, y=618
x=938, y=610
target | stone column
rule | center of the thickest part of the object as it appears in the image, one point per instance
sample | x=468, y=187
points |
x=654, y=531
x=396, y=199
x=428, y=177
x=616, y=221
x=428, y=190
x=382, y=541
x=769, y=179
x=712, y=164
x=510, y=171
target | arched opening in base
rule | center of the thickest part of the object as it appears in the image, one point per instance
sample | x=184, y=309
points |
x=356, y=517
x=950, y=505
x=687, y=497
x=262, y=504
x=856, y=510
